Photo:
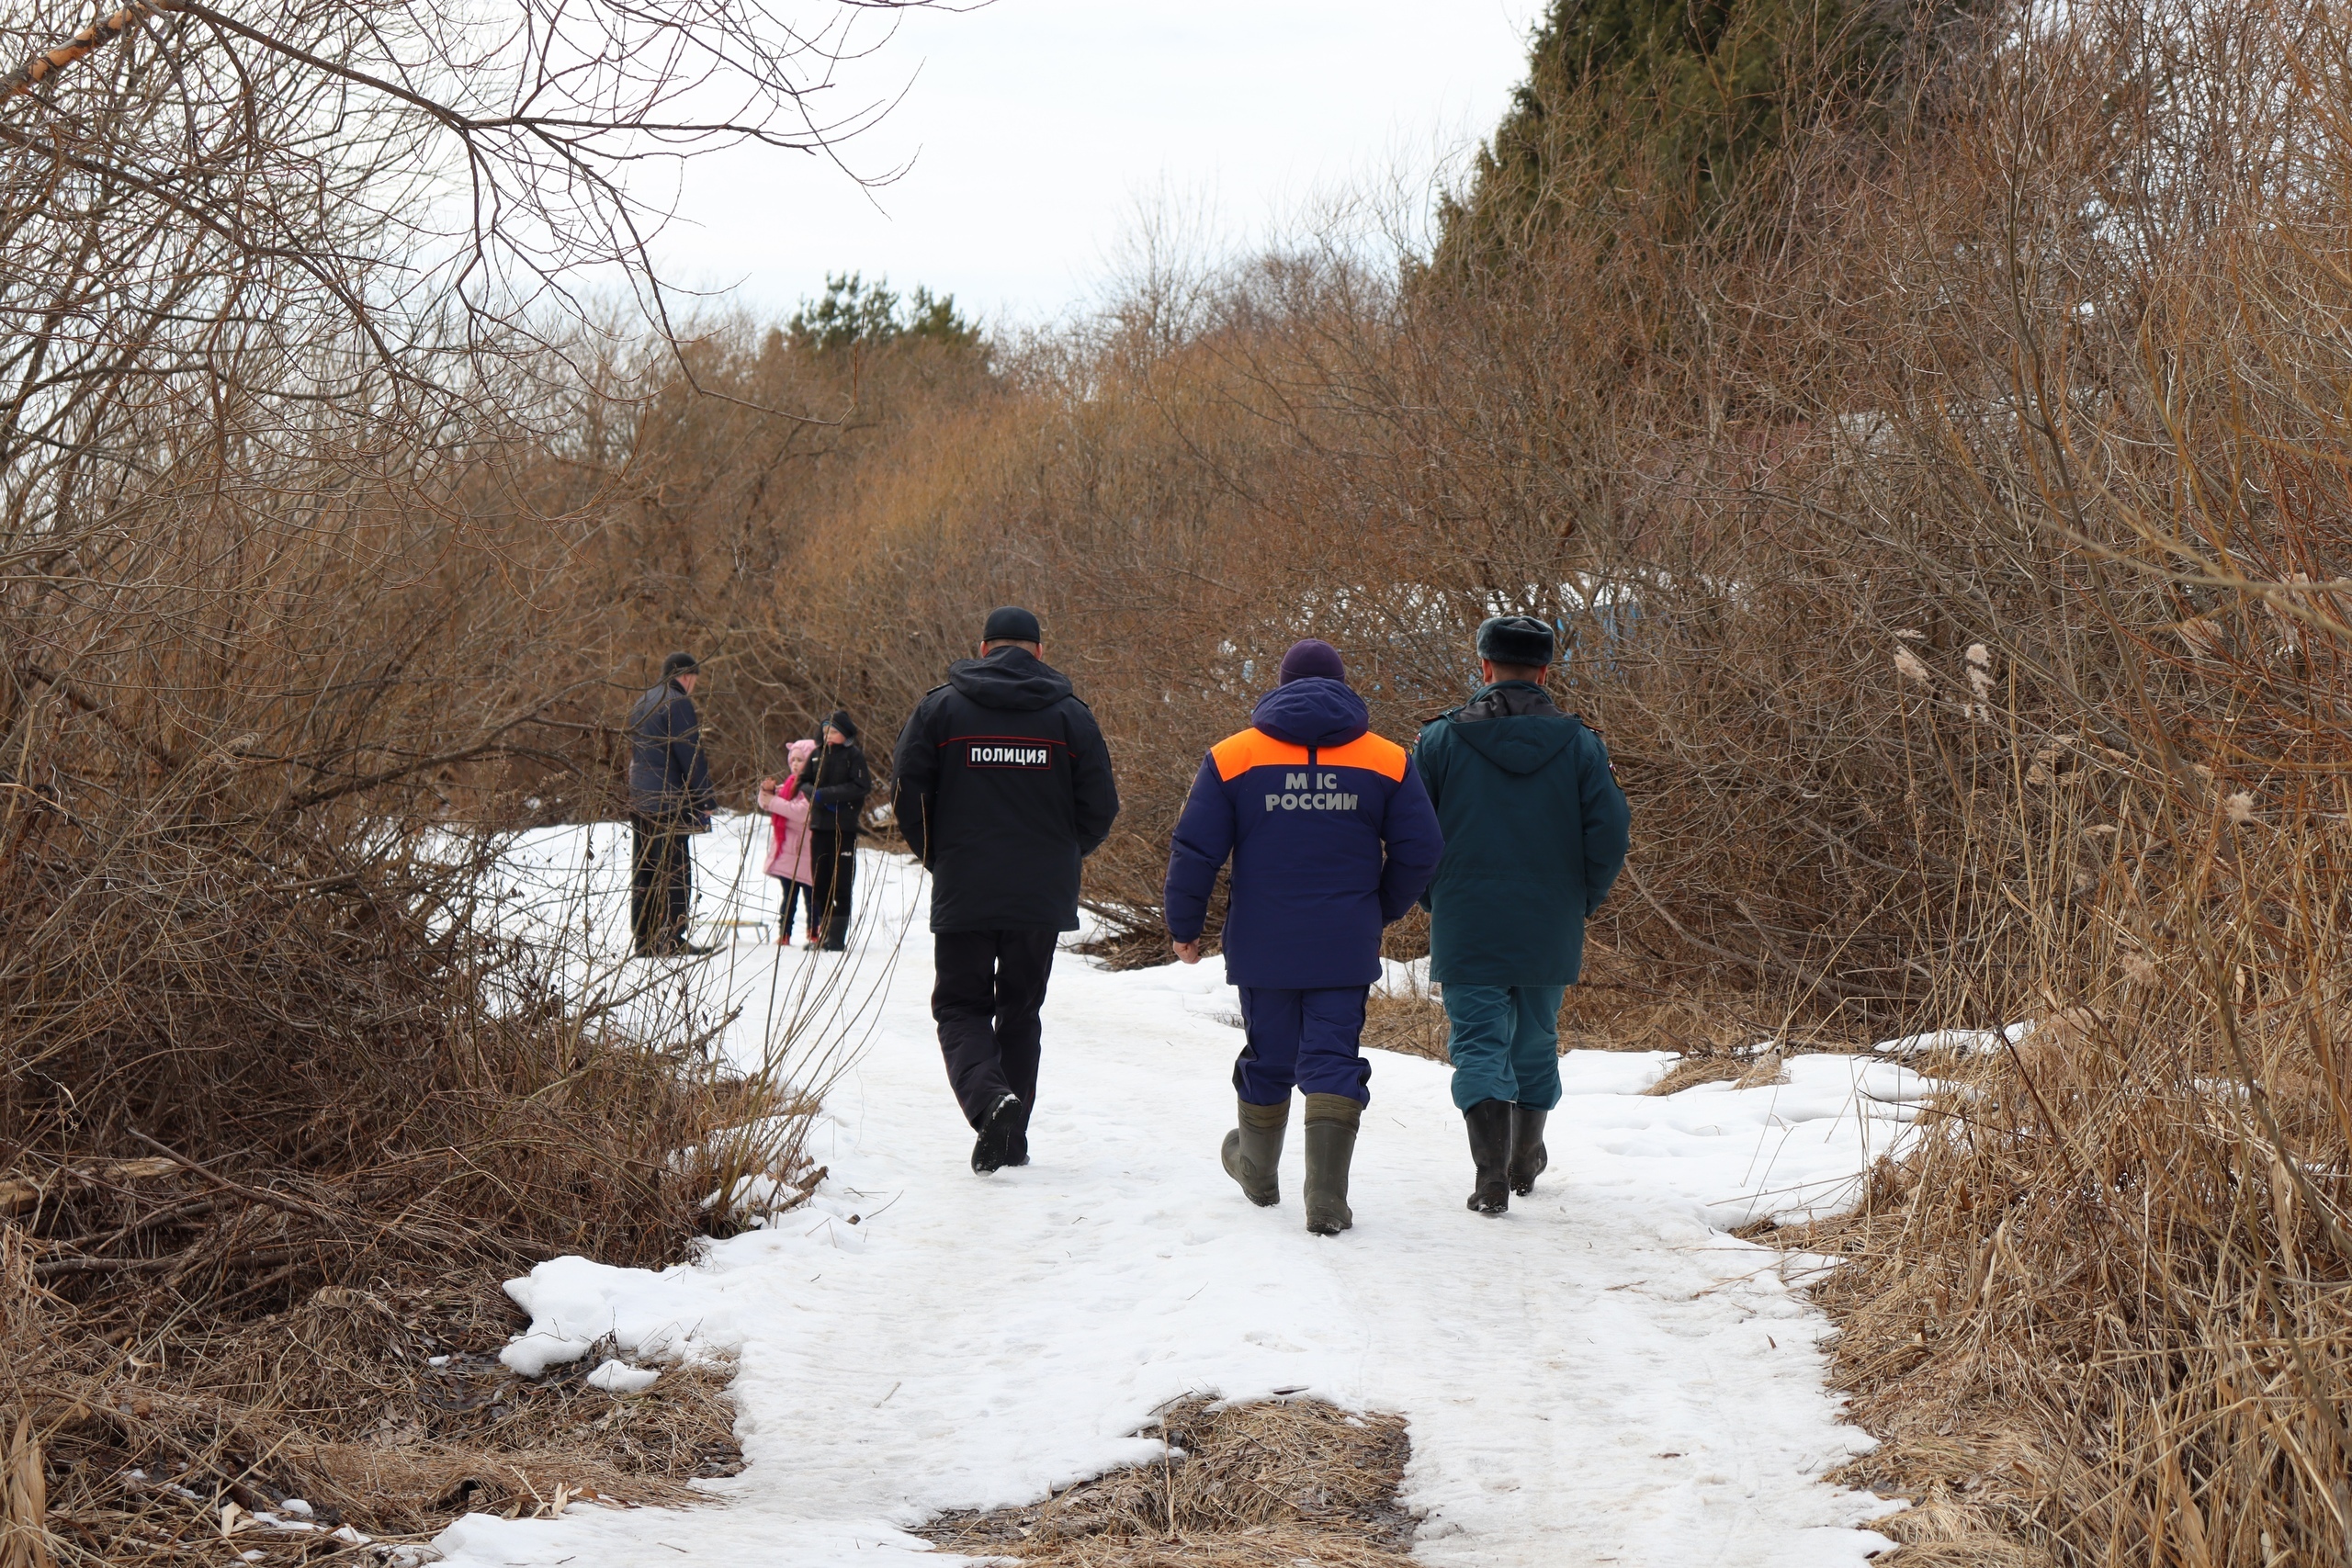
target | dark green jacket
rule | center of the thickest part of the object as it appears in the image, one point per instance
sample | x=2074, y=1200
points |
x=1535, y=832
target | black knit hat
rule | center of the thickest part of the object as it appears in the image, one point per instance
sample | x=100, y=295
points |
x=843, y=722
x=1011, y=624
x=1515, y=639
x=679, y=664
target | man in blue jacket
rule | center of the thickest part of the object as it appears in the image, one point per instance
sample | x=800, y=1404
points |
x=1535, y=832
x=1332, y=837
x=670, y=798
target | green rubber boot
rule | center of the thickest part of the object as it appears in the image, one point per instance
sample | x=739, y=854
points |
x=1331, y=1123
x=1253, y=1151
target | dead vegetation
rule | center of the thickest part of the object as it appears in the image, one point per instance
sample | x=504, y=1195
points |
x=381, y=1415
x=281, y=1087
x=1257, y=1485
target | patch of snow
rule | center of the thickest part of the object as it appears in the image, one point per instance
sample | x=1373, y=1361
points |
x=1402, y=979
x=619, y=1377
x=573, y=1304
x=976, y=1343
x=1973, y=1041
x=755, y=1198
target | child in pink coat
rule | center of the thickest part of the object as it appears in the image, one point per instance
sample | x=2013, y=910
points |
x=788, y=810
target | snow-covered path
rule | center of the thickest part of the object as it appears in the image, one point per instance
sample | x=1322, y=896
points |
x=1602, y=1376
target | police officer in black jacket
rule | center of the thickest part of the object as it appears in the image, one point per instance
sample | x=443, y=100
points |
x=1003, y=785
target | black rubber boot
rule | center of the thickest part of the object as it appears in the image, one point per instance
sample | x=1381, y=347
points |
x=1528, y=1156
x=1330, y=1124
x=1016, y=1142
x=1489, y=1125
x=1253, y=1151
x=997, y=1128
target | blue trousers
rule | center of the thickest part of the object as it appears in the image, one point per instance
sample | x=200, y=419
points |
x=1506, y=1044
x=1306, y=1040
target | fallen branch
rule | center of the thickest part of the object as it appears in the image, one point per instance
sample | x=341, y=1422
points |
x=251, y=1195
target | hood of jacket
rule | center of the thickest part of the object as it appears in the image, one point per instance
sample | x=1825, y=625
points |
x=1011, y=678
x=1514, y=725
x=1313, y=711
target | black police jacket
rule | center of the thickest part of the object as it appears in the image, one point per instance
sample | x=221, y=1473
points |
x=1002, y=784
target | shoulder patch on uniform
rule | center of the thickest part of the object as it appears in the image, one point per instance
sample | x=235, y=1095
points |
x=1371, y=752
x=1236, y=755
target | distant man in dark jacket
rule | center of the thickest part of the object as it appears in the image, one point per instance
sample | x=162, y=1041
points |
x=1332, y=837
x=1535, y=832
x=670, y=798
x=836, y=780
x=1003, y=785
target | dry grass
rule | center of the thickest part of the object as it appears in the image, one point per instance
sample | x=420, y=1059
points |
x=1260, y=1486
x=338, y=1401
x=1414, y=1026
x=2099, y=1315
x=1691, y=1071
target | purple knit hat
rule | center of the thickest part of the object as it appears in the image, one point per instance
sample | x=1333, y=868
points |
x=1315, y=658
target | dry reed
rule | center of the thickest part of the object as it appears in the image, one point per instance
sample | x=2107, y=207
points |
x=1256, y=1485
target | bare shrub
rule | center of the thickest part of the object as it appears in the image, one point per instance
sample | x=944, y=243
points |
x=295, y=338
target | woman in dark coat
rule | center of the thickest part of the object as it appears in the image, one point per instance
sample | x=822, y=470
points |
x=836, y=781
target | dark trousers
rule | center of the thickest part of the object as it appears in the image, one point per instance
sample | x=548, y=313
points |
x=985, y=998
x=1309, y=1040
x=795, y=895
x=661, y=883
x=833, y=862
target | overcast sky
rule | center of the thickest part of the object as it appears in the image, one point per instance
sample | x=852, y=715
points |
x=1039, y=129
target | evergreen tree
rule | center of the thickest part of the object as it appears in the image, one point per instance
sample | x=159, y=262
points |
x=1684, y=94
x=853, y=313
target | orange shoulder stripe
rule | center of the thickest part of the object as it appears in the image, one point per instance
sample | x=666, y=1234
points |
x=1236, y=755
x=1369, y=753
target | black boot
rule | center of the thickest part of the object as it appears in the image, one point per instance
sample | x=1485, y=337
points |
x=1528, y=1156
x=1489, y=1125
x=998, y=1129
x=1331, y=1122
x=1254, y=1150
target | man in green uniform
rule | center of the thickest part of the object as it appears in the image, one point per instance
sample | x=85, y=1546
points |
x=1535, y=832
